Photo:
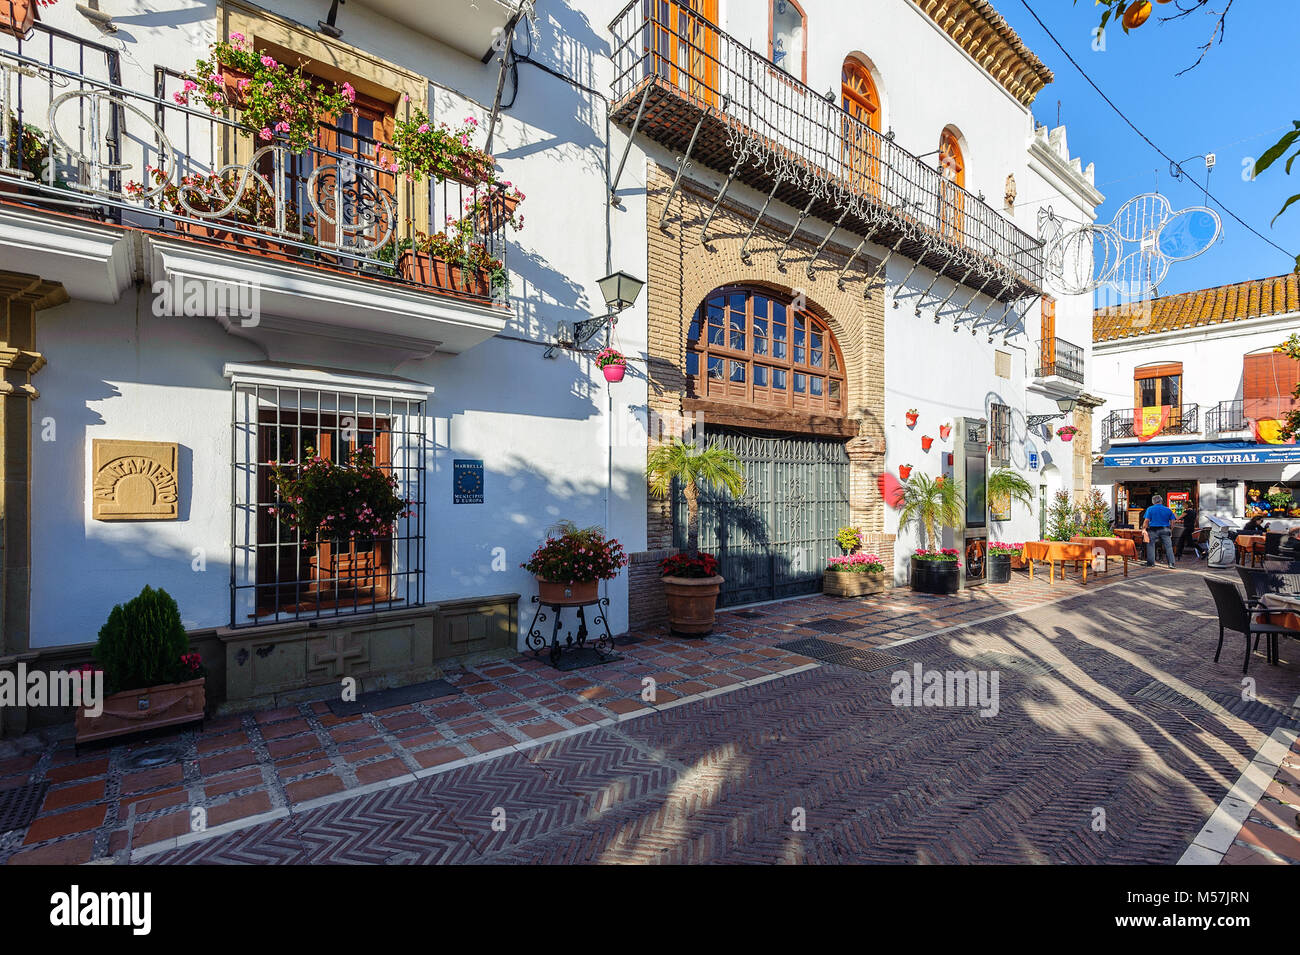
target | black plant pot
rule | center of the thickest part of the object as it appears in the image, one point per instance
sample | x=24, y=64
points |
x=935, y=576
x=999, y=568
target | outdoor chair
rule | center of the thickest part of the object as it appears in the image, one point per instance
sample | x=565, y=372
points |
x=1234, y=615
x=1272, y=543
x=1261, y=582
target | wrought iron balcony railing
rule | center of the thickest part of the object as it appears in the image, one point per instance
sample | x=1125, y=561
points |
x=1176, y=419
x=77, y=141
x=1062, y=359
x=681, y=81
x=1242, y=414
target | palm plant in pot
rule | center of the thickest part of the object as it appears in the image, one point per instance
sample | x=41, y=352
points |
x=1004, y=487
x=932, y=504
x=572, y=561
x=151, y=677
x=691, y=579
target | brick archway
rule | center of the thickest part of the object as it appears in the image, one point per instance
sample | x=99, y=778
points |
x=682, y=271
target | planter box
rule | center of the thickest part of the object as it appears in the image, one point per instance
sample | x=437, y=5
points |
x=935, y=576
x=135, y=711
x=568, y=595
x=423, y=268
x=234, y=240
x=847, y=583
x=999, y=568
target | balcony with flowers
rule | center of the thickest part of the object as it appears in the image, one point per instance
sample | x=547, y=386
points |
x=356, y=219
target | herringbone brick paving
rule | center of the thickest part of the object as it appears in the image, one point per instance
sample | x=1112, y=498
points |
x=725, y=779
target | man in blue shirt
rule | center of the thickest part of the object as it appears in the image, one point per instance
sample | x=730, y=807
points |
x=1156, y=521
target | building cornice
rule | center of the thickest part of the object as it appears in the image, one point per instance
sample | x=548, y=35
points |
x=1284, y=323
x=979, y=29
x=1049, y=156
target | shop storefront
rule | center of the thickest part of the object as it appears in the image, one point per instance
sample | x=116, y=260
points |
x=1228, y=479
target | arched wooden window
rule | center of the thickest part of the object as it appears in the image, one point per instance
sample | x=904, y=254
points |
x=751, y=346
x=787, y=37
x=952, y=170
x=861, y=101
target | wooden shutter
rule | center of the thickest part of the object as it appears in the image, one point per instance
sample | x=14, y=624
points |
x=1268, y=383
x=1048, y=358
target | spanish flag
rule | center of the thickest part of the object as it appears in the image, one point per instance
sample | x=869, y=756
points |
x=1149, y=422
x=1268, y=431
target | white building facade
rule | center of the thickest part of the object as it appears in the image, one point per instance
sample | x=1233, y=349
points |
x=1194, y=391
x=830, y=237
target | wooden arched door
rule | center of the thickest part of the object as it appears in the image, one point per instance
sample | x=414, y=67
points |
x=861, y=101
x=952, y=171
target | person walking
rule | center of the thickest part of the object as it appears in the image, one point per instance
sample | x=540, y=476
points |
x=1191, y=523
x=1156, y=521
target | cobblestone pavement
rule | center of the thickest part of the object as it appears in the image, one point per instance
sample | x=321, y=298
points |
x=1108, y=700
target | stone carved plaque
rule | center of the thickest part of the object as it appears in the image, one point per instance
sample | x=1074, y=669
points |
x=134, y=481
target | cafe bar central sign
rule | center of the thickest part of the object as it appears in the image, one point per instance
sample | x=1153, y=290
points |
x=1202, y=455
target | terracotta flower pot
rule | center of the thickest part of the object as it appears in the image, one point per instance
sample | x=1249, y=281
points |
x=423, y=268
x=582, y=592
x=233, y=240
x=905, y=471
x=692, y=604
x=944, y=431
x=17, y=17
x=133, y=711
x=926, y=441
x=911, y=419
x=613, y=372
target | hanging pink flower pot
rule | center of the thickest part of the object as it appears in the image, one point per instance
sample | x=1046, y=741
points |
x=926, y=441
x=1067, y=432
x=612, y=364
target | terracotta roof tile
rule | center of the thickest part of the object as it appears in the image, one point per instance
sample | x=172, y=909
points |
x=1256, y=298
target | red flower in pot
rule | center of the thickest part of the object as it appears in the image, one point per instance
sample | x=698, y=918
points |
x=612, y=364
x=905, y=471
x=944, y=431
x=926, y=441
x=912, y=415
x=1067, y=432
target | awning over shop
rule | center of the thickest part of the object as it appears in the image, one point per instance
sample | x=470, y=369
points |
x=1212, y=454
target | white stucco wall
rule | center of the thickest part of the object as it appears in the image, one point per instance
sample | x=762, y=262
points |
x=542, y=427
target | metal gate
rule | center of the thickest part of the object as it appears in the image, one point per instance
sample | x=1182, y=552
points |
x=774, y=541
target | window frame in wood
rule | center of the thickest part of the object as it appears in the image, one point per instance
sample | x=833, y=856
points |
x=757, y=386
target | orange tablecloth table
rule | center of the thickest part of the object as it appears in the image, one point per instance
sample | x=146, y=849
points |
x=1247, y=544
x=1107, y=547
x=1053, y=551
x=1281, y=610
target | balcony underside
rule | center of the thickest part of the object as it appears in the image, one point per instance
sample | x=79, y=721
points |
x=669, y=118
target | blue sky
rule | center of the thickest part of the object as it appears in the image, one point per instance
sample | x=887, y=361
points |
x=1236, y=104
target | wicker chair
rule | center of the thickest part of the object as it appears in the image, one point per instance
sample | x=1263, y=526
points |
x=1234, y=615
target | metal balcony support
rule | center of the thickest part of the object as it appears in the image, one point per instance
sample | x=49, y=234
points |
x=839, y=282
x=780, y=256
x=631, y=137
x=717, y=200
x=881, y=270
x=939, y=308
x=921, y=301
x=744, y=248
x=915, y=265
x=970, y=301
x=992, y=301
x=830, y=232
x=683, y=163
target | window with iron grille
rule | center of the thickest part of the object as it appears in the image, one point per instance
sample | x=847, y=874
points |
x=276, y=575
x=1000, y=434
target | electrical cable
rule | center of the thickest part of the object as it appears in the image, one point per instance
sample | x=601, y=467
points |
x=1145, y=137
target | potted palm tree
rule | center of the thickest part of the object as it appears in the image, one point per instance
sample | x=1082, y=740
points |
x=932, y=504
x=691, y=580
